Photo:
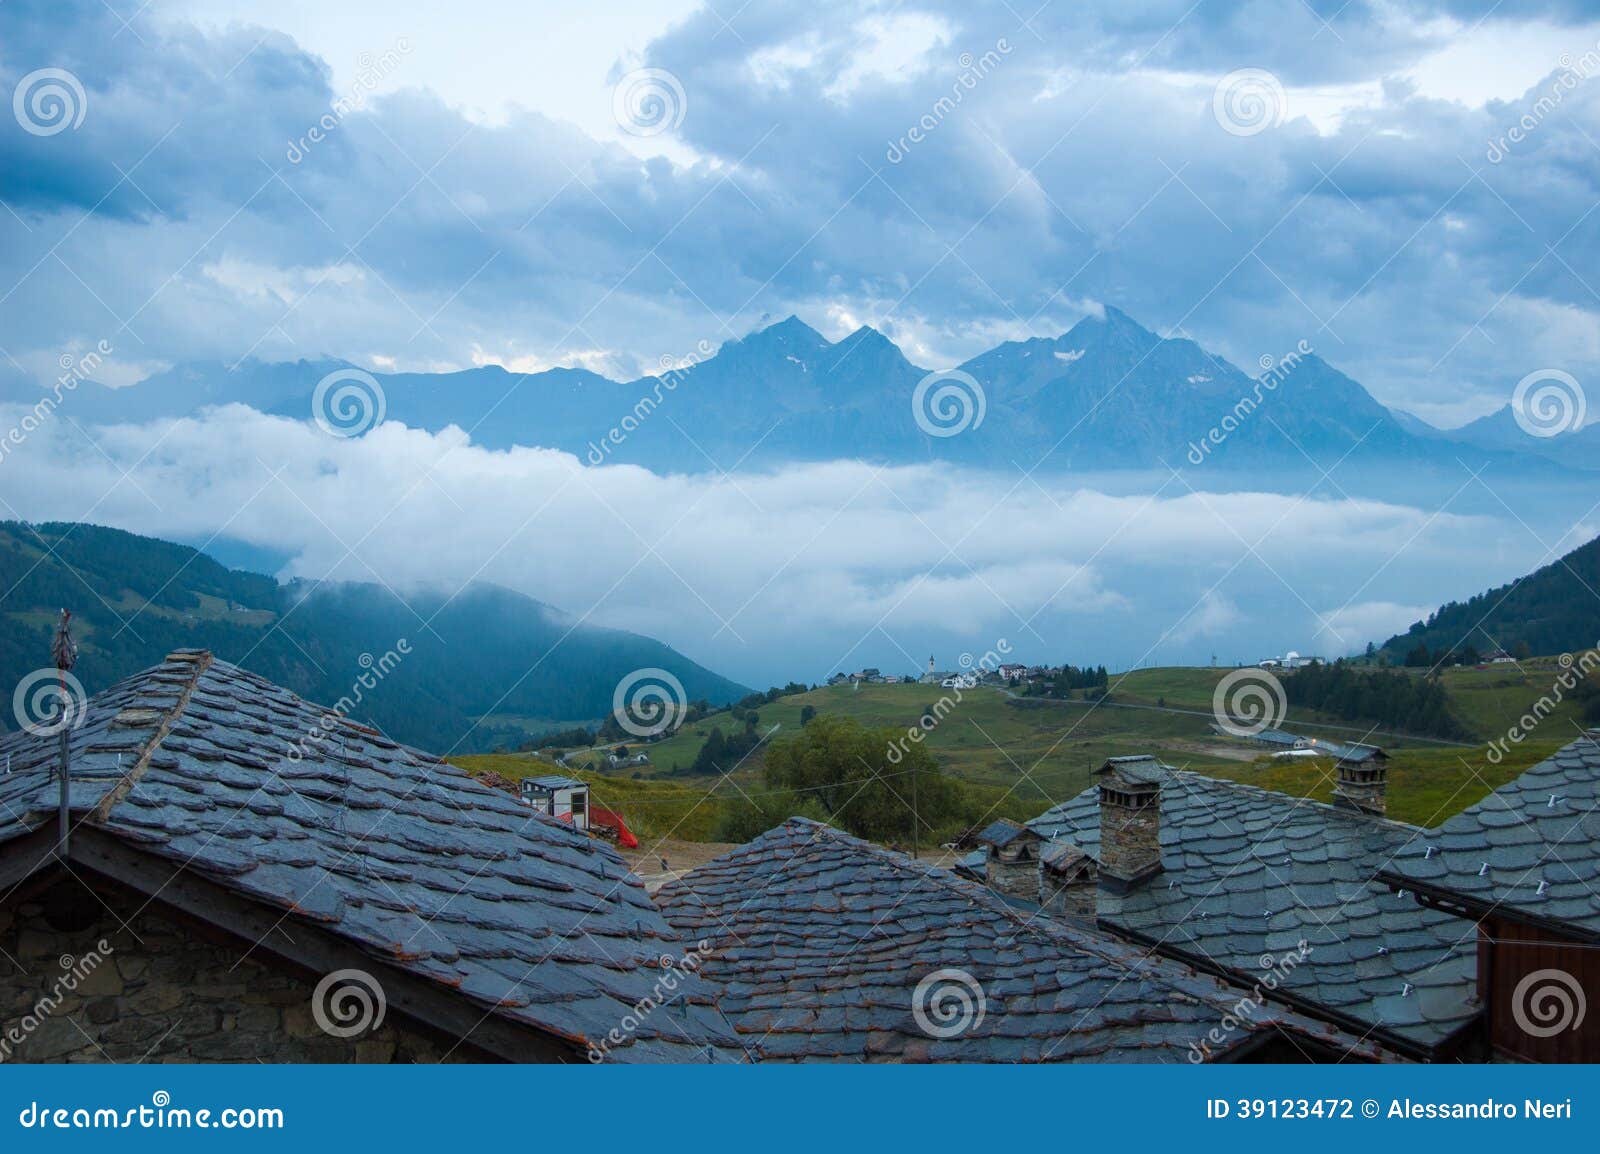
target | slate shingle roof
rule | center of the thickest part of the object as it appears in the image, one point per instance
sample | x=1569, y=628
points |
x=1139, y=768
x=818, y=942
x=1249, y=874
x=552, y=781
x=1002, y=833
x=1543, y=827
x=392, y=849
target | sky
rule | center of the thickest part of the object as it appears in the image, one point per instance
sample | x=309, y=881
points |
x=1410, y=188
x=483, y=200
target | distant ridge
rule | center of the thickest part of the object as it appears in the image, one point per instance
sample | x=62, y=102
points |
x=1107, y=394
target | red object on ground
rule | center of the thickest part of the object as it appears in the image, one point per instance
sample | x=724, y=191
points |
x=606, y=817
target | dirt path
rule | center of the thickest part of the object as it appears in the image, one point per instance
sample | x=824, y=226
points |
x=681, y=857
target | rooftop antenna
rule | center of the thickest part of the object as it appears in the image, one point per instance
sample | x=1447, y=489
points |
x=64, y=652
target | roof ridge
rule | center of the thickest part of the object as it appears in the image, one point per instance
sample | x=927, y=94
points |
x=201, y=660
x=981, y=897
x=1291, y=800
x=1189, y=776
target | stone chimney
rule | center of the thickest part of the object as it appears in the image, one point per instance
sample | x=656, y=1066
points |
x=1130, y=820
x=1069, y=882
x=1012, y=859
x=1363, y=782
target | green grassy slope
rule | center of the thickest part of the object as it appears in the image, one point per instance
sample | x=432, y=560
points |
x=1027, y=754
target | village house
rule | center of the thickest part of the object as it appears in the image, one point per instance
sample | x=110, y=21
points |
x=246, y=875
x=563, y=798
x=826, y=948
x=1520, y=870
x=1275, y=739
x=1219, y=876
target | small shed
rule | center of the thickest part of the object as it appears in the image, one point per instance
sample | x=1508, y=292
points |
x=561, y=797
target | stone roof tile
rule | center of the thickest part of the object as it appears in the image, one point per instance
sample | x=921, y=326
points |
x=790, y=969
x=399, y=853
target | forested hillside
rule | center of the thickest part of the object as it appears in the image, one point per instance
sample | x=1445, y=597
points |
x=134, y=599
x=1555, y=609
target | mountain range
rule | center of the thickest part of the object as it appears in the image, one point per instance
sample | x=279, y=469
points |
x=1578, y=449
x=1107, y=394
x=478, y=669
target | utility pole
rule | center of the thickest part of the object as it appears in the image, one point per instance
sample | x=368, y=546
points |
x=913, y=814
x=65, y=654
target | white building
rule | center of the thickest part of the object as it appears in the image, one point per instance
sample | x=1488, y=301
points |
x=564, y=798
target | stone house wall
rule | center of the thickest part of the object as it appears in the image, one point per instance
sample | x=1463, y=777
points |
x=164, y=990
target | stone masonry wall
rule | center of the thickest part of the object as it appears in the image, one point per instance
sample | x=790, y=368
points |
x=1071, y=900
x=158, y=991
x=1018, y=878
x=1130, y=839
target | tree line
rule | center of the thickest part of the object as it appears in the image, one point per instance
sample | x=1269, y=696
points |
x=1385, y=698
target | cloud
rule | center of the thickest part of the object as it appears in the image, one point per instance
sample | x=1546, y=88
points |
x=768, y=574
x=1213, y=616
x=1347, y=630
x=174, y=221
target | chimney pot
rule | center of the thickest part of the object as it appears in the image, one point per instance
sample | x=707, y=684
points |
x=1012, y=858
x=1363, y=780
x=1130, y=819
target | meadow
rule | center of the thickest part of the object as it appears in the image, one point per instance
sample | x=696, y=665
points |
x=1020, y=755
